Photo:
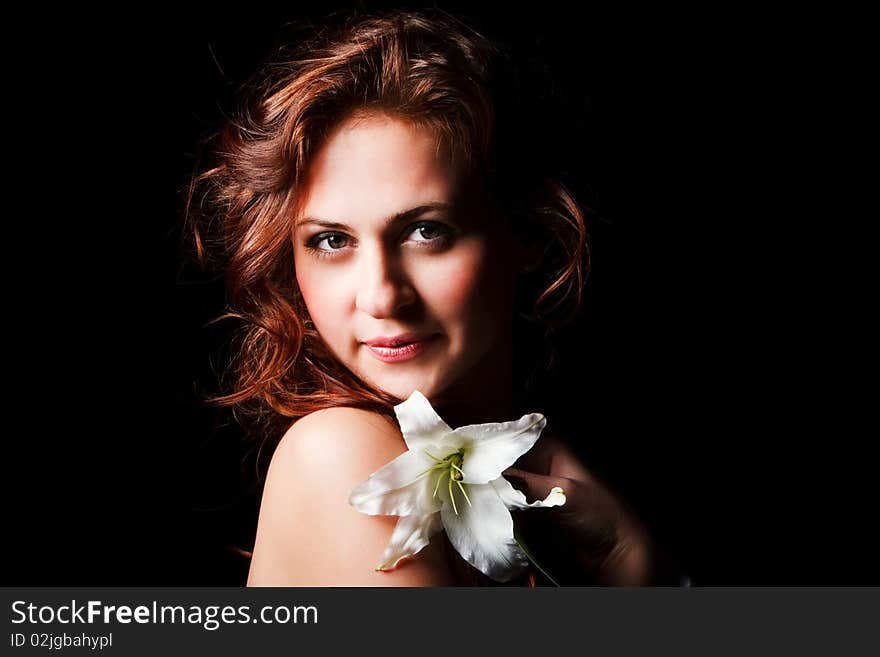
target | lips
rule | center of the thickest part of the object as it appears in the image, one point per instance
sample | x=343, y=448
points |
x=405, y=346
x=397, y=340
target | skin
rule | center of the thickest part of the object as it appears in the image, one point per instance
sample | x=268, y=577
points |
x=449, y=271
x=308, y=534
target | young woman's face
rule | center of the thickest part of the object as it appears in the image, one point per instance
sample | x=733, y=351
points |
x=408, y=278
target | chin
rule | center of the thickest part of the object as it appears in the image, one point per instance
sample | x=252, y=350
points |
x=404, y=385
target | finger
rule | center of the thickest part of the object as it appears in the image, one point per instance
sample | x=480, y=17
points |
x=588, y=507
x=534, y=486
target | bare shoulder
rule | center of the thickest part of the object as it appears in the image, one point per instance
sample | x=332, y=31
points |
x=334, y=441
x=308, y=533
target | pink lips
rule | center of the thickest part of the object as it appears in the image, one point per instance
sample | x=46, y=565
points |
x=400, y=347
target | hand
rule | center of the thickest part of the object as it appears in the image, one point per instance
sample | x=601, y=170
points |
x=601, y=540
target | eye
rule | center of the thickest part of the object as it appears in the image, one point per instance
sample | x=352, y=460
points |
x=431, y=232
x=328, y=242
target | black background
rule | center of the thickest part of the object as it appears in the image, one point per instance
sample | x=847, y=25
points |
x=703, y=379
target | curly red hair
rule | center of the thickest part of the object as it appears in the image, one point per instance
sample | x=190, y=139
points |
x=426, y=67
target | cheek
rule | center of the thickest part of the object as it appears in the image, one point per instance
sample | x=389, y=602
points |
x=321, y=293
x=464, y=287
x=457, y=293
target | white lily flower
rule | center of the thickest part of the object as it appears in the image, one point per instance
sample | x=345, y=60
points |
x=451, y=479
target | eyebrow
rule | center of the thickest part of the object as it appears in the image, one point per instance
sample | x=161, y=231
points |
x=400, y=217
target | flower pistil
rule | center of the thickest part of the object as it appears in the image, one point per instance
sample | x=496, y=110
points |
x=449, y=466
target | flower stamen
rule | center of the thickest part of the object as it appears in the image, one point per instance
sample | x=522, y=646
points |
x=452, y=497
x=463, y=492
x=432, y=456
x=449, y=465
x=439, y=479
x=426, y=472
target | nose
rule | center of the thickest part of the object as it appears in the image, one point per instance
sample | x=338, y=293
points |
x=383, y=288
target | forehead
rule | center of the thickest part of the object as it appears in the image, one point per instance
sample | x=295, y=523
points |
x=371, y=166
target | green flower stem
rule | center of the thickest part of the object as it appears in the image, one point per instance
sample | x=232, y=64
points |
x=518, y=538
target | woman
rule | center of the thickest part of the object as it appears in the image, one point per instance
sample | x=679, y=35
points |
x=384, y=229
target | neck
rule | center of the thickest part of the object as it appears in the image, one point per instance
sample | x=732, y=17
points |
x=485, y=393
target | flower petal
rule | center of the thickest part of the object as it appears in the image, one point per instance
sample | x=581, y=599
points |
x=419, y=423
x=398, y=488
x=492, y=448
x=515, y=499
x=482, y=531
x=411, y=534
